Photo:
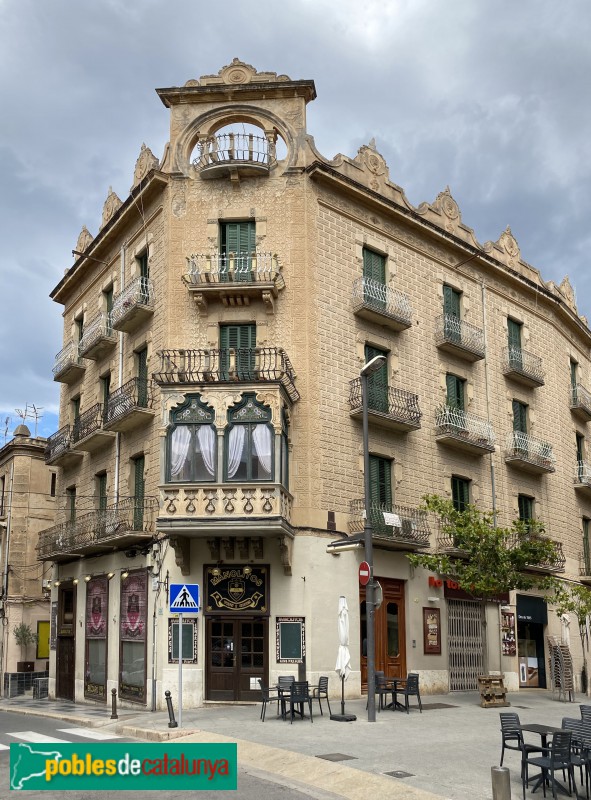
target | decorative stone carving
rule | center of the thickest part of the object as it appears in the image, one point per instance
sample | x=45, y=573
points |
x=214, y=549
x=182, y=553
x=368, y=157
x=85, y=238
x=228, y=547
x=257, y=546
x=146, y=161
x=508, y=242
x=285, y=547
x=238, y=72
x=567, y=291
x=112, y=204
x=242, y=545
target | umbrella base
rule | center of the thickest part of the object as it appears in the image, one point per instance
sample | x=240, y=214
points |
x=343, y=717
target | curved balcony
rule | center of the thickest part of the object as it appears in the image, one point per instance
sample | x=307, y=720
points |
x=395, y=526
x=228, y=365
x=68, y=366
x=523, y=367
x=133, y=306
x=387, y=406
x=98, y=337
x=58, y=450
x=87, y=430
x=582, y=478
x=580, y=402
x=379, y=303
x=130, y=406
x=529, y=454
x=234, y=278
x=459, y=338
x=467, y=432
x=235, y=155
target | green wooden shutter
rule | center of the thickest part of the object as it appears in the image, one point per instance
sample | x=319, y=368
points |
x=573, y=376
x=242, y=340
x=526, y=507
x=106, y=393
x=142, y=378
x=377, y=383
x=380, y=489
x=71, y=501
x=455, y=391
x=139, y=464
x=76, y=409
x=451, y=301
x=102, y=491
x=586, y=548
x=519, y=416
x=460, y=491
x=374, y=266
x=239, y=238
x=514, y=342
x=580, y=457
x=143, y=265
x=109, y=308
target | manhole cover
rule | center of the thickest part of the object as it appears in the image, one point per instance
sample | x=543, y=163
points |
x=429, y=706
x=400, y=773
x=337, y=757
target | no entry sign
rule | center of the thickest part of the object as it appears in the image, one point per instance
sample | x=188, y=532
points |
x=364, y=573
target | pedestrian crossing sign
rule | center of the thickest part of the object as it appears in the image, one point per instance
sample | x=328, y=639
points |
x=184, y=598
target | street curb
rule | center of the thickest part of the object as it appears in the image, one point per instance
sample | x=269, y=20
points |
x=152, y=735
x=34, y=712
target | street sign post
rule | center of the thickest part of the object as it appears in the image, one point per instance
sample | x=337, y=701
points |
x=183, y=599
x=364, y=573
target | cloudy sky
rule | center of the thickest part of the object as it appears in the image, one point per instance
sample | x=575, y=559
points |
x=489, y=97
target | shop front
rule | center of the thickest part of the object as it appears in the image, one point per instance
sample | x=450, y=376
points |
x=532, y=616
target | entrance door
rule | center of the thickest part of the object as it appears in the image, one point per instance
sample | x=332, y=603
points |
x=390, y=632
x=237, y=656
x=465, y=645
x=66, y=643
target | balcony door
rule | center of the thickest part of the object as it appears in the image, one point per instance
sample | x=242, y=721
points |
x=66, y=642
x=390, y=632
x=142, y=378
x=514, y=342
x=377, y=383
x=236, y=657
x=238, y=241
x=237, y=357
x=374, y=272
x=451, y=314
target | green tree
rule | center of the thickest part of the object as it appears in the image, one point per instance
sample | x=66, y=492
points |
x=24, y=638
x=574, y=598
x=484, y=559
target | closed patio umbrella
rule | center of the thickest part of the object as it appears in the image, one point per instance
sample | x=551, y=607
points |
x=343, y=665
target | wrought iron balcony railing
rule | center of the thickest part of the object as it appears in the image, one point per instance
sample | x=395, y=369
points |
x=585, y=561
x=97, y=334
x=237, y=149
x=555, y=564
x=137, y=296
x=58, y=443
x=120, y=523
x=382, y=301
x=397, y=405
x=68, y=364
x=403, y=525
x=464, y=426
x=227, y=365
x=522, y=365
x=204, y=269
x=136, y=394
x=580, y=401
x=521, y=447
x=87, y=423
x=582, y=475
x=451, y=332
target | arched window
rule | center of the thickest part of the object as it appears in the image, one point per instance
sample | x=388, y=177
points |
x=191, y=443
x=249, y=442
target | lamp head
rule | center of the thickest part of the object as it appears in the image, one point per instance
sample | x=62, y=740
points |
x=373, y=365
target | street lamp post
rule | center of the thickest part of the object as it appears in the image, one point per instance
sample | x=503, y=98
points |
x=368, y=369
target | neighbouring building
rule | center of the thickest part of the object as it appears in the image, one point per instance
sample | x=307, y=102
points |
x=210, y=420
x=27, y=506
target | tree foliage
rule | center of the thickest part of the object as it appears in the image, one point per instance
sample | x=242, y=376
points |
x=574, y=598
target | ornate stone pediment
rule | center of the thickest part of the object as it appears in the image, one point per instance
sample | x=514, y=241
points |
x=111, y=206
x=509, y=244
x=238, y=72
x=567, y=291
x=85, y=238
x=146, y=161
x=374, y=163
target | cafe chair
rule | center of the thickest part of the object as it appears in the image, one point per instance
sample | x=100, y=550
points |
x=320, y=691
x=512, y=739
x=410, y=689
x=556, y=758
x=268, y=695
x=299, y=695
x=284, y=683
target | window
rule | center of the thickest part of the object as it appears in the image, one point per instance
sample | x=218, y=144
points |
x=75, y=409
x=71, y=503
x=580, y=457
x=514, y=343
x=451, y=314
x=79, y=328
x=144, y=275
x=238, y=244
x=108, y=305
x=519, y=417
x=586, y=548
x=139, y=487
x=192, y=443
x=2, y=490
x=237, y=357
x=249, y=442
x=460, y=492
x=52, y=487
x=455, y=391
x=573, y=374
x=526, y=507
x=105, y=394
x=142, y=377
x=284, y=468
x=380, y=481
x=101, y=490
x=377, y=382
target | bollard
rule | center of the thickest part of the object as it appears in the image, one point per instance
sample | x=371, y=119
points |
x=114, y=704
x=501, y=783
x=172, y=722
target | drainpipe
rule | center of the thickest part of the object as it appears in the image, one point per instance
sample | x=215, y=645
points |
x=119, y=379
x=3, y=625
x=486, y=389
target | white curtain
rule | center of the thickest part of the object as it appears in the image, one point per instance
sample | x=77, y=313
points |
x=181, y=438
x=235, y=447
x=262, y=438
x=207, y=439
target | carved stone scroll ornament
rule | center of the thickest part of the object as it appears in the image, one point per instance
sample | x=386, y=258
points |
x=285, y=546
x=146, y=161
x=84, y=239
x=214, y=549
x=112, y=204
x=242, y=545
x=509, y=244
x=228, y=547
x=182, y=553
x=257, y=546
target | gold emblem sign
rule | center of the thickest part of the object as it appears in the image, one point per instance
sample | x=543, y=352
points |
x=236, y=588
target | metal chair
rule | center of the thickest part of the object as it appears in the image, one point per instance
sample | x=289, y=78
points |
x=284, y=683
x=411, y=689
x=512, y=739
x=299, y=694
x=268, y=695
x=320, y=691
x=557, y=756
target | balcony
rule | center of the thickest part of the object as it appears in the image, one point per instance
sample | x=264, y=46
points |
x=98, y=338
x=58, y=451
x=68, y=367
x=463, y=431
x=387, y=406
x=580, y=402
x=529, y=454
x=523, y=367
x=125, y=524
x=234, y=278
x=133, y=306
x=88, y=433
x=459, y=338
x=582, y=479
x=555, y=564
x=235, y=155
x=585, y=564
x=214, y=509
x=379, y=303
x=130, y=406
x=394, y=526
x=266, y=365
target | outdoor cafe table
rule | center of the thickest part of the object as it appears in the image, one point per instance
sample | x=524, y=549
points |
x=392, y=685
x=543, y=732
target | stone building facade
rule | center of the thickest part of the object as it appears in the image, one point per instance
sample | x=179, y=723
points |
x=210, y=420
x=27, y=505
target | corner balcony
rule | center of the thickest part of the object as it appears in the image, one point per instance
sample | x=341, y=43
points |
x=582, y=482
x=68, y=366
x=459, y=338
x=130, y=406
x=529, y=454
x=523, y=367
x=387, y=406
x=234, y=278
x=393, y=526
x=128, y=523
x=88, y=433
x=133, y=306
x=98, y=338
x=256, y=365
x=224, y=509
x=580, y=402
x=58, y=450
x=235, y=155
x=463, y=431
x=379, y=303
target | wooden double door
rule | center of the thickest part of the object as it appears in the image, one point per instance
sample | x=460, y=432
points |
x=237, y=654
x=390, y=631
x=66, y=643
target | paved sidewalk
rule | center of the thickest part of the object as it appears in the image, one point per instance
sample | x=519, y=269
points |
x=446, y=752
